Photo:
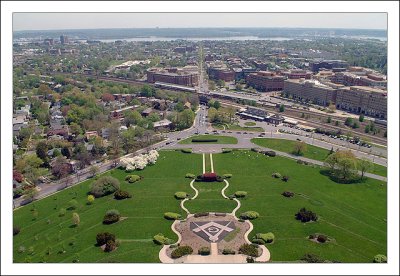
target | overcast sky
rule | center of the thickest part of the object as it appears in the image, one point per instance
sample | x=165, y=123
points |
x=57, y=21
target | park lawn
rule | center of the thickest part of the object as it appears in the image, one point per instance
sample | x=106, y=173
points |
x=237, y=128
x=210, y=198
x=353, y=214
x=220, y=139
x=249, y=123
x=312, y=152
x=152, y=197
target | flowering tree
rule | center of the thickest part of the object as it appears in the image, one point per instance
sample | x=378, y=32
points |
x=139, y=162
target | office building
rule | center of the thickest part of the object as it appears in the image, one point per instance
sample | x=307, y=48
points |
x=265, y=81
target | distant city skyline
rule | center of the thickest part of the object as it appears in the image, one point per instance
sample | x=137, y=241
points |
x=64, y=21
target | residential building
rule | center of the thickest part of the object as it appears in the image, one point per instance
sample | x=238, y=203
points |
x=173, y=75
x=265, y=81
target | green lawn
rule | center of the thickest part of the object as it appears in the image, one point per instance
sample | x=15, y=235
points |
x=353, y=214
x=311, y=152
x=220, y=139
x=152, y=197
x=249, y=123
x=237, y=128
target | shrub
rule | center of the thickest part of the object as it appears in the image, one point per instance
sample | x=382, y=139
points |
x=186, y=150
x=172, y=216
x=258, y=241
x=190, y=175
x=62, y=212
x=90, y=199
x=240, y=194
x=121, y=195
x=73, y=204
x=256, y=149
x=219, y=178
x=104, y=186
x=204, y=251
x=110, y=246
x=111, y=216
x=16, y=230
x=276, y=175
x=199, y=177
x=132, y=178
x=312, y=258
x=249, y=215
x=322, y=238
x=202, y=214
x=102, y=238
x=18, y=193
x=181, y=195
x=227, y=175
x=288, y=194
x=204, y=140
x=76, y=219
x=380, y=259
x=306, y=215
x=161, y=239
x=226, y=150
x=285, y=178
x=249, y=250
x=181, y=251
x=228, y=251
x=267, y=237
x=250, y=260
x=270, y=153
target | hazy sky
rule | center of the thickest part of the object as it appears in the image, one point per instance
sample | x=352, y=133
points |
x=56, y=21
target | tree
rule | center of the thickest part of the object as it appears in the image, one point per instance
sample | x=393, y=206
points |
x=342, y=164
x=107, y=97
x=94, y=170
x=355, y=125
x=281, y=108
x=211, y=85
x=66, y=151
x=132, y=118
x=60, y=167
x=300, y=148
x=239, y=87
x=361, y=118
x=364, y=165
x=41, y=150
x=349, y=121
x=76, y=219
x=221, y=83
x=367, y=129
x=331, y=151
x=329, y=120
x=90, y=199
x=337, y=123
x=31, y=193
x=217, y=105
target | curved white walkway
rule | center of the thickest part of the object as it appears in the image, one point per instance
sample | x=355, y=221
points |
x=162, y=255
x=195, y=195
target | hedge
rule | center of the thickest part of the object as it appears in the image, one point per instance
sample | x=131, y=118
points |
x=249, y=250
x=226, y=150
x=258, y=241
x=267, y=237
x=161, y=239
x=132, y=178
x=228, y=251
x=204, y=251
x=104, y=186
x=285, y=178
x=256, y=149
x=202, y=214
x=186, y=150
x=181, y=195
x=121, y=195
x=380, y=258
x=202, y=140
x=172, y=216
x=249, y=215
x=181, y=251
x=110, y=246
x=227, y=175
x=322, y=238
x=240, y=194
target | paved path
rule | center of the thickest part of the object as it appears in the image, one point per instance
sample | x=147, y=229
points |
x=212, y=164
x=196, y=193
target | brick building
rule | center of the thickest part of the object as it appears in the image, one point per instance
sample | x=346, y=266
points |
x=173, y=75
x=265, y=81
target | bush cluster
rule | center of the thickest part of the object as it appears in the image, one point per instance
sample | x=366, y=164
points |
x=266, y=237
x=111, y=216
x=190, y=175
x=285, y=178
x=181, y=195
x=172, y=216
x=249, y=215
x=102, y=238
x=181, y=251
x=104, y=186
x=276, y=175
x=204, y=140
x=17, y=193
x=270, y=153
x=312, y=258
x=227, y=175
x=161, y=239
x=204, y=251
x=226, y=150
x=132, y=178
x=202, y=214
x=16, y=230
x=249, y=250
x=306, y=215
x=240, y=194
x=186, y=150
x=258, y=241
x=228, y=251
x=120, y=194
x=288, y=194
x=110, y=246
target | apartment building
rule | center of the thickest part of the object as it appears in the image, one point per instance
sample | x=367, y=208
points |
x=173, y=75
x=265, y=81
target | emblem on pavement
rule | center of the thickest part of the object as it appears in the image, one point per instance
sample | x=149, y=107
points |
x=212, y=231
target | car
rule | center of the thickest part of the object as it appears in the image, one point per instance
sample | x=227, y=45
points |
x=244, y=132
x=168, y=143
x=229, y=131
x=238, y=132
x=178, y=138
x=223, y=131
x=298, y=139
x=369, y=146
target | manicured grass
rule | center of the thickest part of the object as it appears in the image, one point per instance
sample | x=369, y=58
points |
x=311, y=152
x=210, y=198
x=249, y=123
x=220, y=139
x=353, y=214
x=152, y=197
x=238, y=128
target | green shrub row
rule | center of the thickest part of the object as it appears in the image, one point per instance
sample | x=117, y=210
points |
x=161, y=239
x=172, y=216
x=249, y=215
x=132, y=178
x=181, y=195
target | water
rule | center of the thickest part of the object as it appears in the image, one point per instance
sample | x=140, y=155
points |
x=158, y=38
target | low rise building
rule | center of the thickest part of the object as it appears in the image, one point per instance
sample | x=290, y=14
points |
x=173, y=75
x=265, y=81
